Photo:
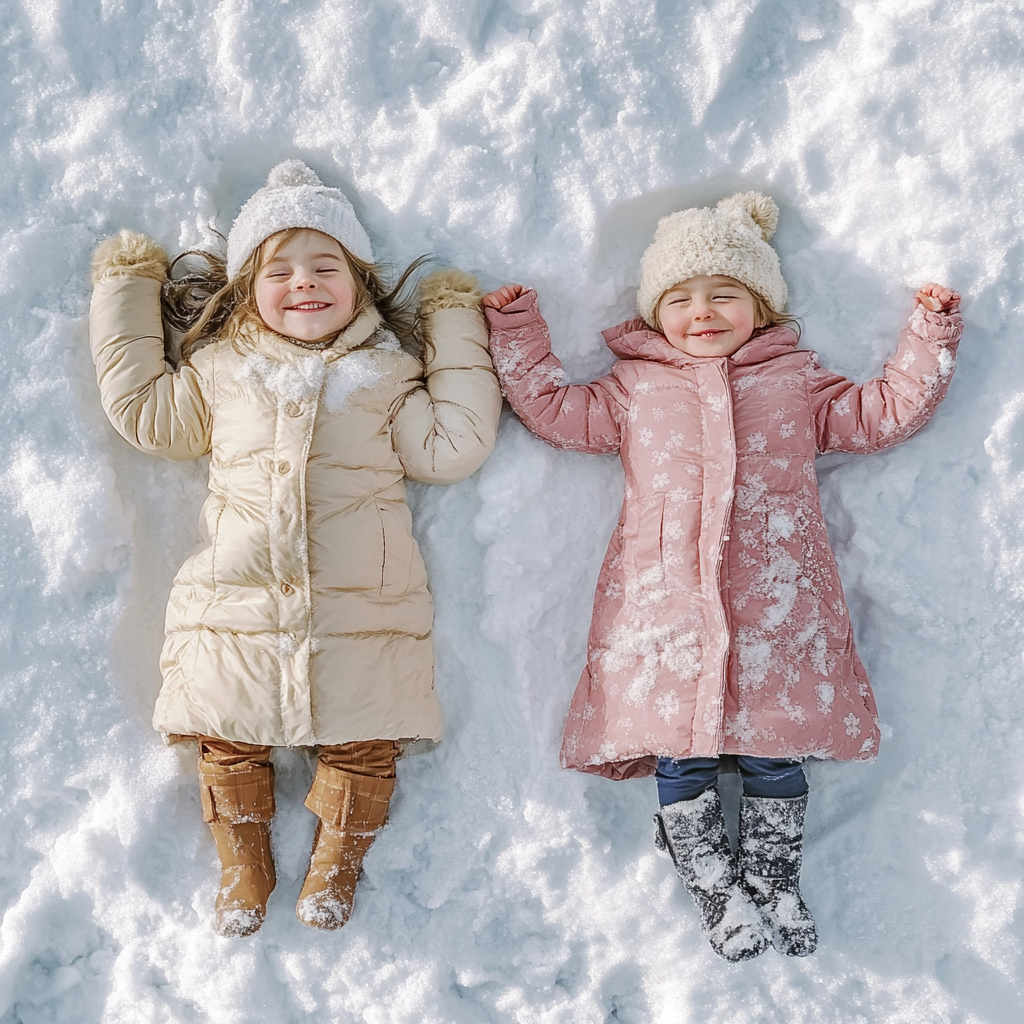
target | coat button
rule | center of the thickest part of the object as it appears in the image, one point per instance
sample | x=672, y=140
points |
x=283, y=467
x=286, y=588
x=293, y=409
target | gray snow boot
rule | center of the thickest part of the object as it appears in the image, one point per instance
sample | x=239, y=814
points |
x=771, y=838
x=692, y=832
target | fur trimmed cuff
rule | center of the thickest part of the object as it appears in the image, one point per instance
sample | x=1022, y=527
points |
x=449, y=289
x=128, y=254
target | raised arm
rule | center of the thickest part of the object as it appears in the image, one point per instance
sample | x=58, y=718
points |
x=158, y=411
x=581, y=417
x=444, y=427
x=882, y=412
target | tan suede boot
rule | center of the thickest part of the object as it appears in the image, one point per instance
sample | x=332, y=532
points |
x=351, y=809
x=238, y=804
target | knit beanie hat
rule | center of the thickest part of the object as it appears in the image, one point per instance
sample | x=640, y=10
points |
x=732, y=240
x=294, y=197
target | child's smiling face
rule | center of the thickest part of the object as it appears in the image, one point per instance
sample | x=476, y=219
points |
x=306, y=289
x=707, y=316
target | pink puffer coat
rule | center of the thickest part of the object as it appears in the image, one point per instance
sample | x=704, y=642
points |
x=719, y=621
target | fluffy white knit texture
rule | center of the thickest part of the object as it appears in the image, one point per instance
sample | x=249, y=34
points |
x=731, y=239
x=295, y=197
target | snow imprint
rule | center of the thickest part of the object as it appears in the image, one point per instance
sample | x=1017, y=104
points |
x=533, y=142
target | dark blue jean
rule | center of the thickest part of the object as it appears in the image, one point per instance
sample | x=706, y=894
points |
x=685, y=778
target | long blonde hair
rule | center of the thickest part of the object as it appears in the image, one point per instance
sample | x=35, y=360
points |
x=201, y=304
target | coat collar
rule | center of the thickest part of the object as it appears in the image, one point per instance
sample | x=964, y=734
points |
x=357, y=333
x=635, y=340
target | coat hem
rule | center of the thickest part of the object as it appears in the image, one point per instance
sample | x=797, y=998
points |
x=643, y=765
x=408, y=745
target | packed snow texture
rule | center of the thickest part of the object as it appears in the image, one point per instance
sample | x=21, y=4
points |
x=533, y=141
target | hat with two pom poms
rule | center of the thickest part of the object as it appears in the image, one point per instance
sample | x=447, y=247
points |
x=731, y=239
x=294, y=197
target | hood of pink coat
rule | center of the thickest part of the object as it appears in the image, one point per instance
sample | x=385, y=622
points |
x=635, y=340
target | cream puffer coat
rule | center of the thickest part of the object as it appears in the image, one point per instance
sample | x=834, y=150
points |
x=303, y=616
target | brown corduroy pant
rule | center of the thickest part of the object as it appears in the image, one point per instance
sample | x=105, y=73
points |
x=341, y=764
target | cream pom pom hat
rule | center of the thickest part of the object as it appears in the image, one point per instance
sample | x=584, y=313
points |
x=731, y=239
x=294, y=197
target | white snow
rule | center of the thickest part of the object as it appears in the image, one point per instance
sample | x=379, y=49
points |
x=307, y=376
x=298, y=381
x=532, y=141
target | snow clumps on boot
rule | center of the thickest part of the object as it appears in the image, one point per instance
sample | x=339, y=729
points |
x=693, y=834
x=771, y=840
x=352, y=809
x=238, y=805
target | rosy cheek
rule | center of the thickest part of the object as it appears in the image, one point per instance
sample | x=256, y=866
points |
x=268, y=300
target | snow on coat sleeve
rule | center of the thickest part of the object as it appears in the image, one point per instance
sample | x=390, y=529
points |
x=445, y=426
x=581, y=417
x=157, y=411
x=882, y=412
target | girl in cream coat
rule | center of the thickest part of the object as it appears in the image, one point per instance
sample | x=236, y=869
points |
x=303, y=616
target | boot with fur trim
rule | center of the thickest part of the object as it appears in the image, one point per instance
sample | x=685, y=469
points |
x=693, y=834
x=352, y=809
x=771, y=841
x=238, y=804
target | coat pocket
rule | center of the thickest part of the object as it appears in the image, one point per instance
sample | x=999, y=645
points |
x=400, y=558
x=642, y=534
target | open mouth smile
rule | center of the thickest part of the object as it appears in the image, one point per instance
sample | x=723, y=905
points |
x=309, y=307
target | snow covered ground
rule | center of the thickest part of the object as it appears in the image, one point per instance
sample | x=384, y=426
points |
x=539, y=141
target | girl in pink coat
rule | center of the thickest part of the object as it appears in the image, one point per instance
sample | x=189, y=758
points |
x=719, y=622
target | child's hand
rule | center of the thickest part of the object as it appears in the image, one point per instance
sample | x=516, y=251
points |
x=936, y=298
x=503, y=296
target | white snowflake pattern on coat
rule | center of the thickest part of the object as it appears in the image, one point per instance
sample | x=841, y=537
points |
x=719, y=620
